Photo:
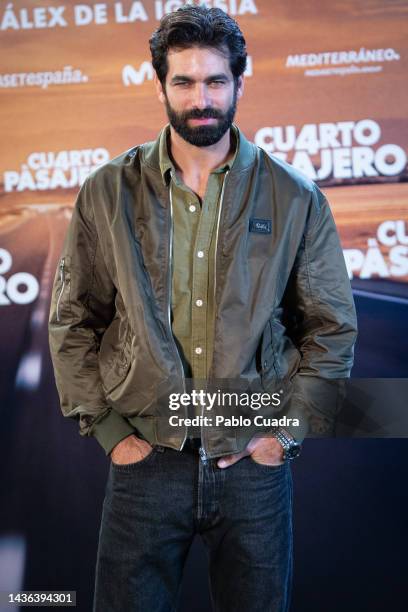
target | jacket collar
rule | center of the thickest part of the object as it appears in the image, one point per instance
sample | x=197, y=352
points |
x=166, y=163
x=245, y=155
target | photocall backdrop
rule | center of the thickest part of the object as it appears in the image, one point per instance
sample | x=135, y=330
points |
x=325, y=90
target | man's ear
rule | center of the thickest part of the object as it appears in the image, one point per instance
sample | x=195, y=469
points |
x=159, y=89
x=240, y=86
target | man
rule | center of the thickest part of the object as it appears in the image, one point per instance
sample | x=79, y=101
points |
x=198, y=257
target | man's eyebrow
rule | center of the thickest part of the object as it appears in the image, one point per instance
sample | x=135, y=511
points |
x=181, y=77
x=214, y=77
x=217, y=77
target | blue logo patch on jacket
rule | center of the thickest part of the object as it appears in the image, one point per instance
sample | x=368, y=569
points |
x=262, y=226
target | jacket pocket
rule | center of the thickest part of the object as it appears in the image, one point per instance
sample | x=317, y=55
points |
x=63, y=311
x=286, y=355
x=115, y=355
x=269, y=367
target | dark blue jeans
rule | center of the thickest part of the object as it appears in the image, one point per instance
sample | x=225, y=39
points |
x=153, y=509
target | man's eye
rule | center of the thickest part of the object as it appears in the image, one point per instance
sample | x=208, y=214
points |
x=217, y=83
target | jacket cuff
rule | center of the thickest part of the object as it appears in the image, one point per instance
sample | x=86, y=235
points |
x=110, y=430
x=299, y=432
x=315, y=402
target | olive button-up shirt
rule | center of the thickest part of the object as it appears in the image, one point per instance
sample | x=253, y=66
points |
x=195, y=225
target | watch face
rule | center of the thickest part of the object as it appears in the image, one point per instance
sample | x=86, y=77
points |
x=293, y=451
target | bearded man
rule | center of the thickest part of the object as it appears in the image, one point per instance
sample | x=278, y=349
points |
x=197, y=257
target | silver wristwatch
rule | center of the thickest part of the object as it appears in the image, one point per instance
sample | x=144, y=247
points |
x=291, y=448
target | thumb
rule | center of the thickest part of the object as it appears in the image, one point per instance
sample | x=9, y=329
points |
x=228, y=460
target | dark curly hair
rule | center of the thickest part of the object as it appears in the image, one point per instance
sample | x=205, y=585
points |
x=198, y=26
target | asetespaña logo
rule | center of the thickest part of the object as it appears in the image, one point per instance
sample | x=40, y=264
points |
x=386, y=255
x=342, y=63
x=67, y=76
x=20, y=287
x=145, y=72
x=45, y=170
x=340, y=150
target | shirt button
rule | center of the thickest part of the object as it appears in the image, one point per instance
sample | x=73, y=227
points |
x=198, y=350
x=200, y=254
x=192, y=208
x=199, y=302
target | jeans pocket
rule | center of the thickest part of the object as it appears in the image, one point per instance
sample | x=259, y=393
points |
x=266, y=466
x=130, y=467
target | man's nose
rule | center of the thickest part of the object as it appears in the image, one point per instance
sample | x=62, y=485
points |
x=201, y=98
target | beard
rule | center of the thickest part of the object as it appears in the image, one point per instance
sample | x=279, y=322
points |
x=202, y=135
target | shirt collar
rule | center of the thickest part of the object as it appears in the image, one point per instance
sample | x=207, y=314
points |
x=166, y=164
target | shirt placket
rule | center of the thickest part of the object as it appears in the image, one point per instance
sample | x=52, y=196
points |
x=201, y=280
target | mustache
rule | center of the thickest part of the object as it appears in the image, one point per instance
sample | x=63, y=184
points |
x=202, y=113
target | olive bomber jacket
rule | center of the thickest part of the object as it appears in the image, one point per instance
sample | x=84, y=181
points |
x=284, y=310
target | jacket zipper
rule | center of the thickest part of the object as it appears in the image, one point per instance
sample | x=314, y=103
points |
x=62, y=277
x=169, y=287
x=202, y=449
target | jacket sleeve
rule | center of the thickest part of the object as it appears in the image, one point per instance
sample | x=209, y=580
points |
x=321, y=322
x=82, y=307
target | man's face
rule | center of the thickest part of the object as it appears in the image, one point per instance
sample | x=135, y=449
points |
x=200, y=95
